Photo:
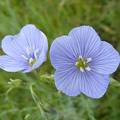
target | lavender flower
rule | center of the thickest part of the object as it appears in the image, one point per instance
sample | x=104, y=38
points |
x=25, y=51
x=83, y=62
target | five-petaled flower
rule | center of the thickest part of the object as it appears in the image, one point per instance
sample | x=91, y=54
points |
x=25, y=51
x=83, y=62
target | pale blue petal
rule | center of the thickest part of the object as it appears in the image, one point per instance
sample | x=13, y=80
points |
x=11, y=47
x=33, y=38
x=93, y=85
x=86, y=39
x=11, y=65
x=72, y=82
x=22, y=45
x=67, y=81
x=106, y=60
x=62, y=53
x=27, y=69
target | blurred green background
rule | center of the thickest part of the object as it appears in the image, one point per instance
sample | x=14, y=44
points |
x=55, y=18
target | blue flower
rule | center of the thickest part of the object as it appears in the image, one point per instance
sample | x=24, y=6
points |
x=25, y=51
x=83, y=62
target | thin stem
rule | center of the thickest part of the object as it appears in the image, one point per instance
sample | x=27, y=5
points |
x=38, y=103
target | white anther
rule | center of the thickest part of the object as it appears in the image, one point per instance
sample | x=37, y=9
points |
x=24, y=57
x=89, y=60
x=88, y=68
x=35, y=53
x=76, y=63
x=81, y=69
x=80, y=57
x=31, y=60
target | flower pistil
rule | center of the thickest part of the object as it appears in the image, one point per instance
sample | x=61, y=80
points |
x=82, y=63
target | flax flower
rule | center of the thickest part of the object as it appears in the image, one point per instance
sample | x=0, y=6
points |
x=83, y=62
x=24, y=51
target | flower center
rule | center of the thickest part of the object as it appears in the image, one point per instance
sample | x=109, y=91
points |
x=83, y=63
x=31, y=56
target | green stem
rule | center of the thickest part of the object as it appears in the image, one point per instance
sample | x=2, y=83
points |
x=37, y=102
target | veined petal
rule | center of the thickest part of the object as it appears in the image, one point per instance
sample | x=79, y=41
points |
x=106, y=60
x=73, y=82
x=11, y=47
x=62, y=52
x=11, y=65
x=33, y=38
x=93, y=85
x=86, y=39
x=68, y=82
